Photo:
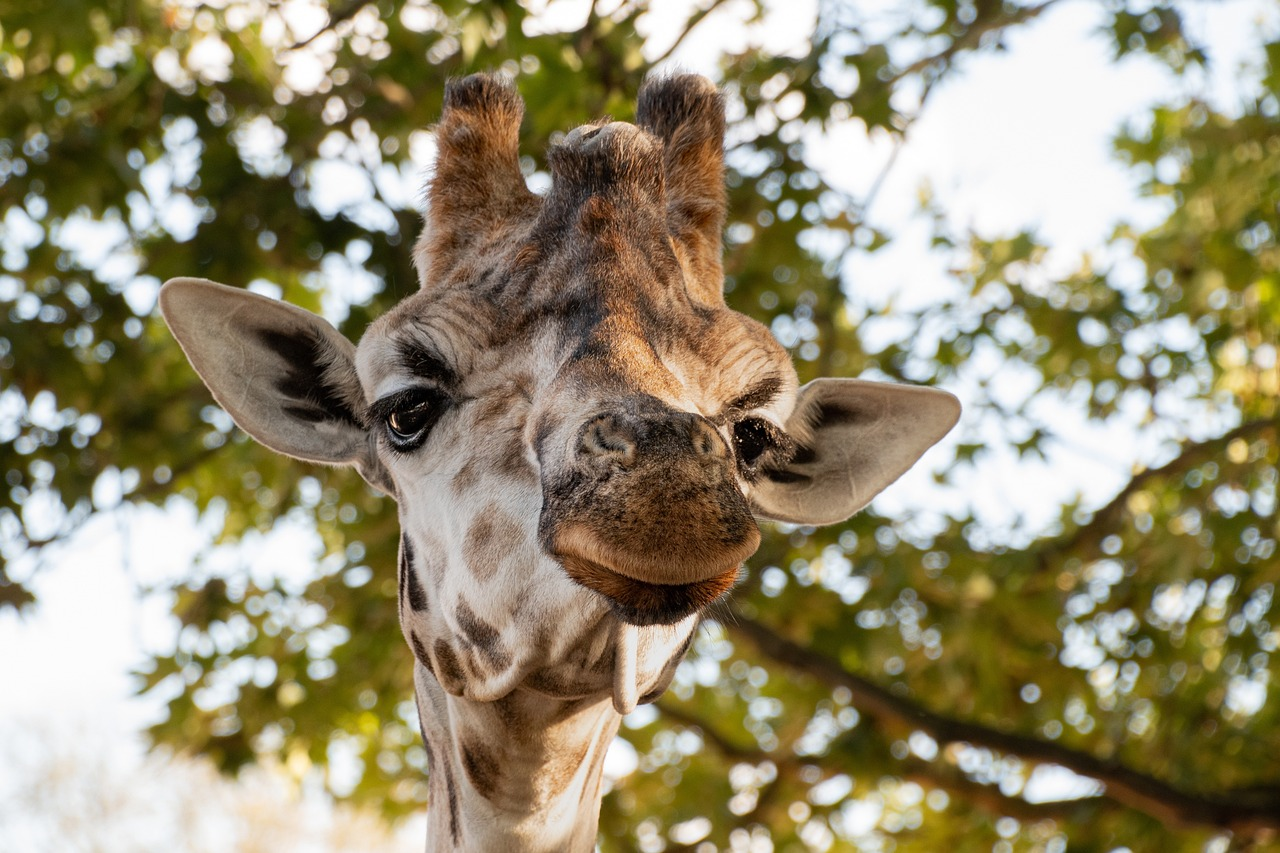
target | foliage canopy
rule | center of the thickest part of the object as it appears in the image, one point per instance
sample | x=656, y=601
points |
x=889, y=683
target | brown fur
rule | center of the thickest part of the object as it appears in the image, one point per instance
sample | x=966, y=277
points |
x=687, y=114
x=478, y=184
x=481, y=768
x=420, y=652
x=448, y=669
x=412, y=592
x=514, y=465
x=493, y=536
x=464, y=482
x=483, y=637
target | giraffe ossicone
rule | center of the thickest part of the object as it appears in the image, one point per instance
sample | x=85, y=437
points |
x=579, y=434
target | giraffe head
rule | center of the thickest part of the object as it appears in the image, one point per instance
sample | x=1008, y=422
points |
x=578, y=431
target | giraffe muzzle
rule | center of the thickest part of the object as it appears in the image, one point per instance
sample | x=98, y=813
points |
x=650, y=515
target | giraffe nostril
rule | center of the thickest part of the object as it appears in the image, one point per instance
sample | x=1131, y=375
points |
x=622, y=439
x=606, y=437
x=706, y=441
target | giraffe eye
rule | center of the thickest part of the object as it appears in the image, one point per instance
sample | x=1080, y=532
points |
x=752, y=437
x=411, y=417
x=410, y=422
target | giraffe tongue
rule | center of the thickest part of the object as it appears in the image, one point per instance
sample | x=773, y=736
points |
x=626, y=646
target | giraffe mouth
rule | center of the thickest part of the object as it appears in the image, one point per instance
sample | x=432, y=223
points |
x=643, y=602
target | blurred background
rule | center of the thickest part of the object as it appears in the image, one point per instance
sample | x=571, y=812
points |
x=1059, y=632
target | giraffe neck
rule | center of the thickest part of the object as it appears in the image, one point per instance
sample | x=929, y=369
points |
x=517, y=775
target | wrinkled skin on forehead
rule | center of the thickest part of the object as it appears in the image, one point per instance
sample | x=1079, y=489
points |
x=577, y=430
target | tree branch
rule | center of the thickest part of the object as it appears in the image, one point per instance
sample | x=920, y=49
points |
x=1249, y=812
x=987, y=798
x=991, y=800
x=722, y=744
x=696, y=18
x=971, y=38
x=345, y=13
x=1189, y=456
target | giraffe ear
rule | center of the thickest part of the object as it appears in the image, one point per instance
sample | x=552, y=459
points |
x=285, y=376
x=855, y=438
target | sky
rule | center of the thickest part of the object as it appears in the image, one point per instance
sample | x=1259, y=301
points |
x=1016, y=139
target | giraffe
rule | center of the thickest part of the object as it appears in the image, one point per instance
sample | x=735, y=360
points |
x=578, y=432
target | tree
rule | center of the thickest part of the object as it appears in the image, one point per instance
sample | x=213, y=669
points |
x=885, y=683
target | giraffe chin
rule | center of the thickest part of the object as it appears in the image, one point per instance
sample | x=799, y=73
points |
x=641, y=603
